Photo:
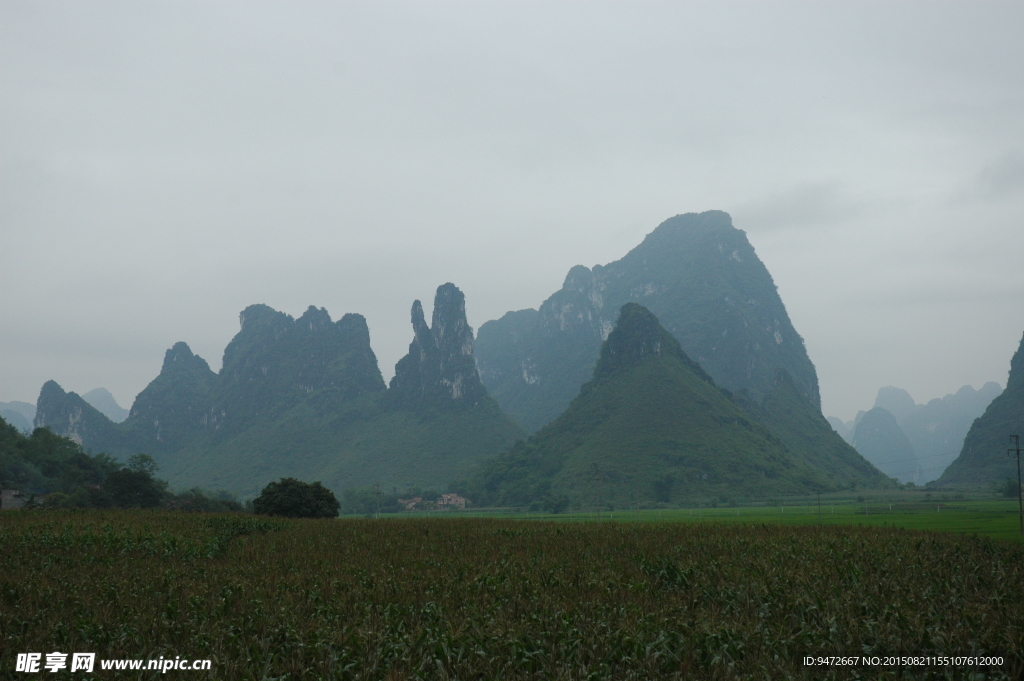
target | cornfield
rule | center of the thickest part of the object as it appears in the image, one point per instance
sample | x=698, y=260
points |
x=496, y=599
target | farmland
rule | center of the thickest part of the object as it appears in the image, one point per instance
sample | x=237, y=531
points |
x=990, y=518
x=492, y=598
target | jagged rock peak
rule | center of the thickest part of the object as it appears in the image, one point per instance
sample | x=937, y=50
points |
x=580, y=278
x=180, y=356
x=706, y=222
x=452, y=333
x=420, y=330
x=314, y=318
x=638, y=336
x=260, y=314
x=261, y=319
x=50, y=394
x=68, y=415
x=440, y=362
x=354, y=331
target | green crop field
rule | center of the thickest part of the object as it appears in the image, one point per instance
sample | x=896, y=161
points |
x=991, y=518
x=505, y=599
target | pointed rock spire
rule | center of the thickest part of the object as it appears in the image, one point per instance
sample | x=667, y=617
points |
x=439, y=367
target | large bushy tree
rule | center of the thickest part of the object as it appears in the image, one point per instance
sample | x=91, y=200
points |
x=134, y=489
x=293, y=498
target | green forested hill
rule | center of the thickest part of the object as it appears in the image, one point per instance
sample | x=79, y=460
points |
x=652, y=426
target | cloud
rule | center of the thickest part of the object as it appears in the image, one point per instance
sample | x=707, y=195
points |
x=804, y=206
x=1003, y=177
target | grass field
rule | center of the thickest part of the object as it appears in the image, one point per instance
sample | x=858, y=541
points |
x=990, y=518
x=505, y=599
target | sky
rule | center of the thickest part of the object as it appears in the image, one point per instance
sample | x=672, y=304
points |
x=163, y=165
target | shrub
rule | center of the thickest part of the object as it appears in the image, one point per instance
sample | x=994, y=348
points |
x=293, y=498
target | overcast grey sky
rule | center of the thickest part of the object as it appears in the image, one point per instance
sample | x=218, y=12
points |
x=164, y=165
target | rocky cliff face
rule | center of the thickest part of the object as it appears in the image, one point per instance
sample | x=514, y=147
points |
x=274, y=361
x=702, y=279
x=439, y=369
x=67, y=414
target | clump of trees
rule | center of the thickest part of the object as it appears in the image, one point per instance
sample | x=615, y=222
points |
x=54, y=472
x=136, y=486
x=293, y=498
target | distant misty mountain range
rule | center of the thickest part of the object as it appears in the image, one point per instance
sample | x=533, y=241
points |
x=21, y=415
x=304, y=397
x=706, y=392
x=915, y=442
x=18, y=414
x=983, y=458
x=106, y=404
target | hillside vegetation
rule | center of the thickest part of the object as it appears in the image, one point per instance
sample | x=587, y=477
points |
x=651, y=426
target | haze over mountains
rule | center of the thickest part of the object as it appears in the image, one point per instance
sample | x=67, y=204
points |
x=934, y=432
x=21, y=415
x=702, y=279
x=102, y=400
x=984, y=458
x=304, y=398
x=18, y=414
x=728, y=391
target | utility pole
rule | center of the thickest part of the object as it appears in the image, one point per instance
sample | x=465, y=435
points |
x=1020, y=499
x=376, y=493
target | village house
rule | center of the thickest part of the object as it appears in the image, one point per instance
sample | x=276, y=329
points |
x=451, y=501
x=410, y=504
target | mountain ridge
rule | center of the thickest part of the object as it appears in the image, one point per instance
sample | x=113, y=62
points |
x=702, y=279
x=652, y=426
x=302, y=398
